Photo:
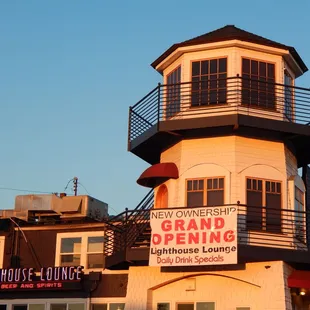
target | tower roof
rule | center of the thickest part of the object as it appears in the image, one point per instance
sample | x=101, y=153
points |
x=230, y=32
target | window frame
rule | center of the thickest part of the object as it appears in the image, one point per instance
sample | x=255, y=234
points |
x=108, y=303
x=200, y=60
x=173, y=92
x=299, y=220
x=259, y=60
x=205, y=190
x=84, y=246
x=264, y=207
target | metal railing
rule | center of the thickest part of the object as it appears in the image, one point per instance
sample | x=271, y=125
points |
x=256, y=226
x=219, y=97
x=123, y=229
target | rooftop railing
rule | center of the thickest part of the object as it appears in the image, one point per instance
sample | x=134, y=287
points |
x=256, y=226
x=215, y=97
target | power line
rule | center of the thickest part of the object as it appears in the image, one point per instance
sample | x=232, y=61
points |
x=23, y=190
x=84, y=188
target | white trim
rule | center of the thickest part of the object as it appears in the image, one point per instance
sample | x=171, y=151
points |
x=217, y=45
x=83, y=235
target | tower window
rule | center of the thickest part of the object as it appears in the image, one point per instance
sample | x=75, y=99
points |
x=258, y=84
x=288, y=95
x=209, y=79
x=299, y=213
x=205, y=192
x=173, y=104
x=267, y=194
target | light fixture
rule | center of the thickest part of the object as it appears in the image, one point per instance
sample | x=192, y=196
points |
x=302, y=292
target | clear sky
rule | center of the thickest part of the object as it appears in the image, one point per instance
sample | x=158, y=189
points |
x=69, y=70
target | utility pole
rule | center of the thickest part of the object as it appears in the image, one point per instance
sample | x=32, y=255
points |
x=75, y=185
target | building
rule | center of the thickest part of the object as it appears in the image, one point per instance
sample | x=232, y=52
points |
x=226, y=224
x=52, y=256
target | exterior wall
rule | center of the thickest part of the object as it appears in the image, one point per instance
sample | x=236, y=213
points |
x=233, y=157
x=40, y=251
x=258, y=287
x=42, y=241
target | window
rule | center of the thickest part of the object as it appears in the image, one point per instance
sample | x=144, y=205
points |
x=173, y=92
x=288, y=95
x=201, y=192
x=258, y=84
x=29, y=307
x=209, y=80
x=64, y=306
x=299, y=215
x=196, y=306
x=111, y=306
x=80, y=248
x=163, y=306
x=267, y=194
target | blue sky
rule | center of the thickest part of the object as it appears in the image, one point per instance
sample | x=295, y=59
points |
x=69, y=70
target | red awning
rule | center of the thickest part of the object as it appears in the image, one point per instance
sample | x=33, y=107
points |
x=157, y=174
x=299, y=279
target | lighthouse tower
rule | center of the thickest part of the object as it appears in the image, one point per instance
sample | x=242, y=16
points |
x=227, y=126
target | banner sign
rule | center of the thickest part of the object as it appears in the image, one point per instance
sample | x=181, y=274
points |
x=51, y=278
x=193, y=236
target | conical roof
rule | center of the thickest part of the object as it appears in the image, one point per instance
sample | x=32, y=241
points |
x=230, y=32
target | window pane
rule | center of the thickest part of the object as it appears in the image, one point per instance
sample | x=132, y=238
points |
x=205, y=306
x=76, y=306
x=246, y=66
x=71, y=245
x=2, y=307
x=58, y=306
x=215, y=198
x=99, y=306
x=223, y=65
x=70, y=260
x=19, y=307
x=270, y=70
x=185, y=306
x=195, y=68
x=195, y=199
x=163, y=306
x=95, y=244
x=117, y=306
x=273, y=212
x=205, y=67
x=209, y=184
x=95, y=260
x=36, y=307
x=213, y=66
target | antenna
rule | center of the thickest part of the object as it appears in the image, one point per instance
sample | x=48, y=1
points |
x=75, y=185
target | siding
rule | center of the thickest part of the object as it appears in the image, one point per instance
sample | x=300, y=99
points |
x=233, y=157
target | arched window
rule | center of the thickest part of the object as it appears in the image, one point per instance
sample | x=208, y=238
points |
x=162, y=197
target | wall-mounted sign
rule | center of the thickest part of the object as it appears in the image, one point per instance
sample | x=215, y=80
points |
x=194, y=236
x=46, y=278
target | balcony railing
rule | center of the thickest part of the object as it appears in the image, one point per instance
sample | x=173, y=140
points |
x=256, y=226
x=219, y=97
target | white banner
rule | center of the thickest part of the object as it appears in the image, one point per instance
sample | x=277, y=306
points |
x=194, y=236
